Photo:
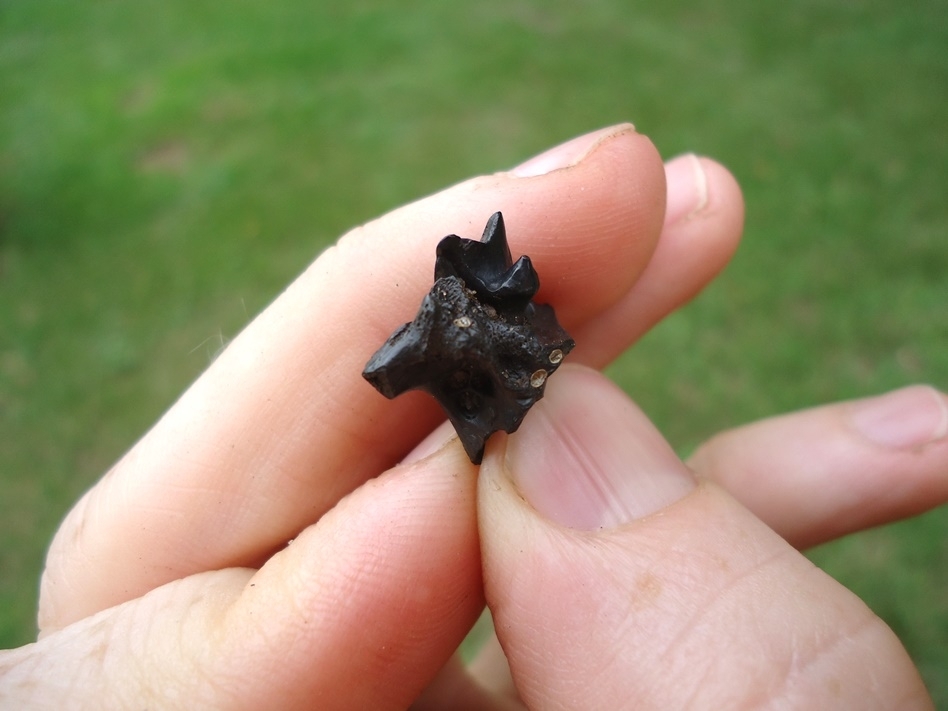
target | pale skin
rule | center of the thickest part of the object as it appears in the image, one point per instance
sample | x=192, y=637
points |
x=617, y=576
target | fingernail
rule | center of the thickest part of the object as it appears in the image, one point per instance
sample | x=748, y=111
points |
x=687, y=188
x=903, y=419
x=586, y=457
x=569, y=153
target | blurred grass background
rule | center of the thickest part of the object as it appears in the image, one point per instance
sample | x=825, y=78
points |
x=167, y=166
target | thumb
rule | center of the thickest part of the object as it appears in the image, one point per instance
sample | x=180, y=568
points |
x=617, y=580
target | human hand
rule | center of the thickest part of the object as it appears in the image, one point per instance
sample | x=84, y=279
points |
x=152, y=591
x=617, y=578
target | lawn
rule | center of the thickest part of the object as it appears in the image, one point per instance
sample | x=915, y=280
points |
x=167, y=166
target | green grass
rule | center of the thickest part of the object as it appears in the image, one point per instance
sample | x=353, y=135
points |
x=165, y=167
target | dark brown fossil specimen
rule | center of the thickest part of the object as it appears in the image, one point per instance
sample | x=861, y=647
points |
x=479, y=344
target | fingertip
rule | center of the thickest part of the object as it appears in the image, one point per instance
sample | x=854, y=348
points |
x=598, y=225
x=725, y=197
x=701, y=188
x=909, y=418
x=703, y=226
x=835, y=469
x=588, y=458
